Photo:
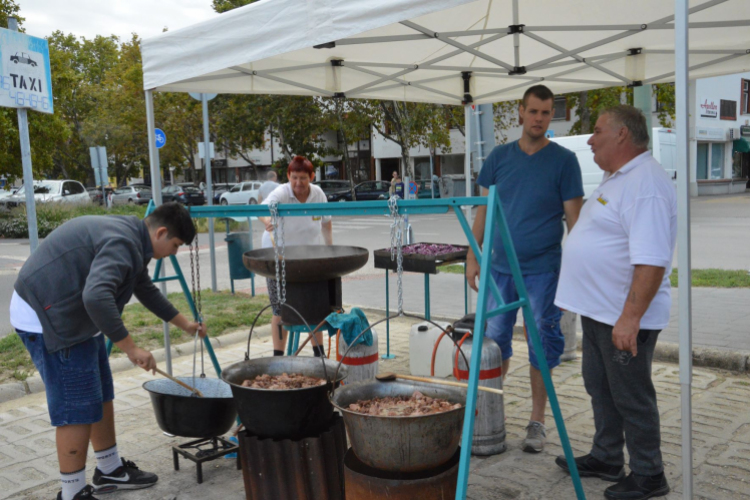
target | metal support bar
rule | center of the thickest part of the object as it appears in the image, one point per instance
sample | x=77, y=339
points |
x=378, y=207
x=464, y=48
x=395, y=78
x=563, y=50
x=292, y=83
x=682, y=107
x=427, y=295
x=209, y=190
x=694, y=67
x=388, y=354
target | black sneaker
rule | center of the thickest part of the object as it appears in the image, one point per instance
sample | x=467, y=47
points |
x=125, y=477
x=86, y=493
x=635, y=487
x=589, y=466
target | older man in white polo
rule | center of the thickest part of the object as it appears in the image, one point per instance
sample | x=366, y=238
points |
x=615, y=274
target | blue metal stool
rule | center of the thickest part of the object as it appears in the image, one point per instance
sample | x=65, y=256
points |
x=294, y=334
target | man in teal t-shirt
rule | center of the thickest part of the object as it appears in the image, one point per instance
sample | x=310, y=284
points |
x=538, y=182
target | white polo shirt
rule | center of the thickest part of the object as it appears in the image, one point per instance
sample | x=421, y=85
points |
x=630, y=219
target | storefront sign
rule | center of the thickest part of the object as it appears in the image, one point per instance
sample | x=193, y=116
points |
x=709, y=109
x=745, y=130
x=711, y=134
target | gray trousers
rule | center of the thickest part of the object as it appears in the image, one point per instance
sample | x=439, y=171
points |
x=623, y=399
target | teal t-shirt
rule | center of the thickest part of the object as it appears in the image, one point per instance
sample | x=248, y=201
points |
x=532, y=190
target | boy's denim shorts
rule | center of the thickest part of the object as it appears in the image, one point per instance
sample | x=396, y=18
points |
x=541, y=289
x=78, y=379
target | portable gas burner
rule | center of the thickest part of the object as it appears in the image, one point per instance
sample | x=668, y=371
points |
x=204, y=450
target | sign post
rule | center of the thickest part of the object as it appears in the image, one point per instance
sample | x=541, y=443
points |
x=100, y=165
x=25, y=82
x=208, y=153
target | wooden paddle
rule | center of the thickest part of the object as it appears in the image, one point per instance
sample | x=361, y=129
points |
x=179, y=382
x=385, y=377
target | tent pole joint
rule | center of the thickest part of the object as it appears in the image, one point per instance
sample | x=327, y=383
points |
x=468, y=99
x=636, y=83
x=337, y=62
x=516, y=28
x=635, y=51
x=518, y=70
x=339, y=95
x=328, y=45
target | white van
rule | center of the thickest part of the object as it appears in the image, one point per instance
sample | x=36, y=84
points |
x=664, y=144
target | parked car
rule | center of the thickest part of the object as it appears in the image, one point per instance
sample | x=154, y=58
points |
x=131, y=195
x=424, y=189
x=336, y=190
x=8, y=191
x=371, y=190
x=219, y=189
x=187, y=195
x=244, y=193
x=65, y=191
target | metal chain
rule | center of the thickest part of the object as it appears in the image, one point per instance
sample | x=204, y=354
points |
x=195, y=278
x=278, y=251
x=397, y=245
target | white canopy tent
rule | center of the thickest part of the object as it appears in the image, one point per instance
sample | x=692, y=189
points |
x=459, y=51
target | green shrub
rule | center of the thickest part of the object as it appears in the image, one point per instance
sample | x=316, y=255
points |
x=49, y=216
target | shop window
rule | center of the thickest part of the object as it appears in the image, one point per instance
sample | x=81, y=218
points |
x=745, y=103
x=710, y=161
x=728, y=110
x=560, y=109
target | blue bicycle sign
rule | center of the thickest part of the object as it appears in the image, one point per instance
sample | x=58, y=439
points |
x=161, y=138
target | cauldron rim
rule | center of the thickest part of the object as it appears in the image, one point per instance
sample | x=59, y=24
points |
x=342, y=374
x=331, y=397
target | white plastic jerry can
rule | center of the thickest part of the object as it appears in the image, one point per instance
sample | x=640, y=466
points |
x=421, y=344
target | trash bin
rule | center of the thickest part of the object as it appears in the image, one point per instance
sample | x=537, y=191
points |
x=237, y=245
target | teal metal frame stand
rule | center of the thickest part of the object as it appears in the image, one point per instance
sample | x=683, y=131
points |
x=427, y=312
x=495, y=221
x=188, y=296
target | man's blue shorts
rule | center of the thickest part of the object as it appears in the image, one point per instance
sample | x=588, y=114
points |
x=541, y=289
x=78, y=379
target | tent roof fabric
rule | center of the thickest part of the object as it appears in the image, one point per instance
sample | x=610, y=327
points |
x=420, y=50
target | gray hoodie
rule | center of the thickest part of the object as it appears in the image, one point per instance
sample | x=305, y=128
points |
x=82, y=275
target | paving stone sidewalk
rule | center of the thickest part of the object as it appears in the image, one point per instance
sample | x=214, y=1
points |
x=28, y=465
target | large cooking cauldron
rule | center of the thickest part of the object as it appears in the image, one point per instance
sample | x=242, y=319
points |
x=308, y=263
x=313, y=277
x=182, y=413
x=288, y=414
x=406, y=444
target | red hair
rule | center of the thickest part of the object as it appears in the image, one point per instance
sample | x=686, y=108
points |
x=300, y=164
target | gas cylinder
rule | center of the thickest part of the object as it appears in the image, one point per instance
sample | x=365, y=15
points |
x=489, y=423
x=362, y=360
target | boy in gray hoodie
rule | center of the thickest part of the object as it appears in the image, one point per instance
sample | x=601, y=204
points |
x=72, y=290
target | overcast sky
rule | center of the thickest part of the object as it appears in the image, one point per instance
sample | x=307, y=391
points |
x=106, y=17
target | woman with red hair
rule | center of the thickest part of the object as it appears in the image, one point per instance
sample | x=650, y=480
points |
x=301, y=230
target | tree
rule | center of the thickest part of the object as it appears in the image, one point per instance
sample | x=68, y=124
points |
x=351, y=121
x=411, y=124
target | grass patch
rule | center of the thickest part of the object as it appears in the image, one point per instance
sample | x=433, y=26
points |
x=716, y=278
x=452, y=269
x=15, y=362
x=222, y=312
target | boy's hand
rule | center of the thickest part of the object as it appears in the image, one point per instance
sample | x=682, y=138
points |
x=142, y=358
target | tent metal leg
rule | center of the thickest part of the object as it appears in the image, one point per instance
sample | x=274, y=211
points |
x=683, y=241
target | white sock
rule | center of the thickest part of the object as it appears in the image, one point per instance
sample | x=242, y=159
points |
x=72, y=483
x=108, y=460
